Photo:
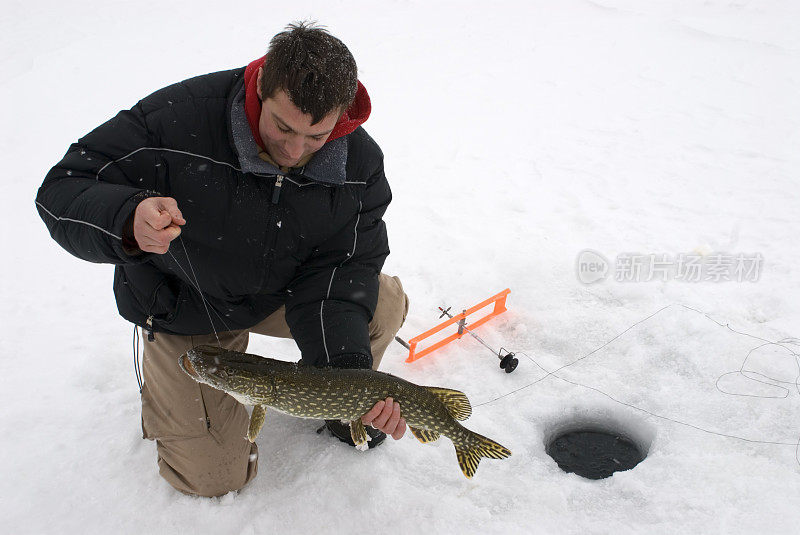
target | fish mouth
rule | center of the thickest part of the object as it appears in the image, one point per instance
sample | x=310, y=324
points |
x=185, y=362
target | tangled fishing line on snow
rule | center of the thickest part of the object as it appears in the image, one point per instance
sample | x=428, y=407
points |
x=791, y=345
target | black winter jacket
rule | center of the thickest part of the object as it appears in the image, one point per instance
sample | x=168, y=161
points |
x=256, y=238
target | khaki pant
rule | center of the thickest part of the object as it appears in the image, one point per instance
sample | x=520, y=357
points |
x=200, y=432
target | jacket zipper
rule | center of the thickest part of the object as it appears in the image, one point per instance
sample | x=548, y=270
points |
x=273, y=220
x=148, y=323
x=148, y=329
x=276, y=191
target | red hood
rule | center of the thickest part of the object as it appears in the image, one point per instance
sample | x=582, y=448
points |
x=356, y=114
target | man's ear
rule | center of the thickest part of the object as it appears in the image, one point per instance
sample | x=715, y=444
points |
x=258, y=83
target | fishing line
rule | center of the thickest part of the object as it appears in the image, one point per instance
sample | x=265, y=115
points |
x=192, y=283
x=741, y=371
x=196, y=285
x=573, y=362
x=781, y=343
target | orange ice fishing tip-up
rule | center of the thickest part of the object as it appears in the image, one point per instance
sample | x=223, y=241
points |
x=507, y=361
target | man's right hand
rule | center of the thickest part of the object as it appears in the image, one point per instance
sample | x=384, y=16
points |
x=156, y=222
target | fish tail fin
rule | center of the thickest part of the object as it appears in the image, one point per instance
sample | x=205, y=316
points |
x=469, y=457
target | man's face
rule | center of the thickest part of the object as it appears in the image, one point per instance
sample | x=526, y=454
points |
x=287, y=132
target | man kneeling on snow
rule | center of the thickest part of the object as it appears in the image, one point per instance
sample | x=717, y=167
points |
x=277, y=194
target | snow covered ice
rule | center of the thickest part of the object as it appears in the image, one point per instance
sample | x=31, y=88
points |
x=516, y=136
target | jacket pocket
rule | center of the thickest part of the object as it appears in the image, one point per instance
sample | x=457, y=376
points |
x=165, y=301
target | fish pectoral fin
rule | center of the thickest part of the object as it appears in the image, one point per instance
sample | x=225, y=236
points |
x=359, y=434
x=456, y=402
x=256, y=422
x=423, y=435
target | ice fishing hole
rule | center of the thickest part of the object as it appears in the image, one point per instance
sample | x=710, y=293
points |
x=596, y=448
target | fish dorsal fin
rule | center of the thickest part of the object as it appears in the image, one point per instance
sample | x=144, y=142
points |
x=456, y=402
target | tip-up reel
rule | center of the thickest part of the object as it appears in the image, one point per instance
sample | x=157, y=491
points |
x=508, y=361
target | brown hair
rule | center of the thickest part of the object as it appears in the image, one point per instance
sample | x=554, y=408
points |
x=315, y=69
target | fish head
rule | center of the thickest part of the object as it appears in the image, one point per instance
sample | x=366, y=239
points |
x=241, y=375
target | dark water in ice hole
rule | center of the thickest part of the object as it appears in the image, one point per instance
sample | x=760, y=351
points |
x=593, y=454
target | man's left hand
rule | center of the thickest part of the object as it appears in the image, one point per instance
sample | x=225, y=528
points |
x=385, y=416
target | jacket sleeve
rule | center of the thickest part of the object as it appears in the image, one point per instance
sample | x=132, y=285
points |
x=88, y=196
x=332, y=300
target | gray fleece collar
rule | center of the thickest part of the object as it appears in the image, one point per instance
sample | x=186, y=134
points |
x=327, y=165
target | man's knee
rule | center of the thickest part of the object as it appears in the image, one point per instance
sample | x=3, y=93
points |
x=199, y=431
x=388, y=318
x=205, y=467
x=392, y=309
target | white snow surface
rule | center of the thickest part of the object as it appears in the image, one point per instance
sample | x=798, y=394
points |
x=516, y=134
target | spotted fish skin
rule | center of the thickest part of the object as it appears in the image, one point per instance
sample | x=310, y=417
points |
x=340, y=394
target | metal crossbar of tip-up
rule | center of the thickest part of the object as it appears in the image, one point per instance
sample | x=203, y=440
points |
x=507, y=361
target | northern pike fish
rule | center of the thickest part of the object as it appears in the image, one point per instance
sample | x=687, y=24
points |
x=339, y=394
